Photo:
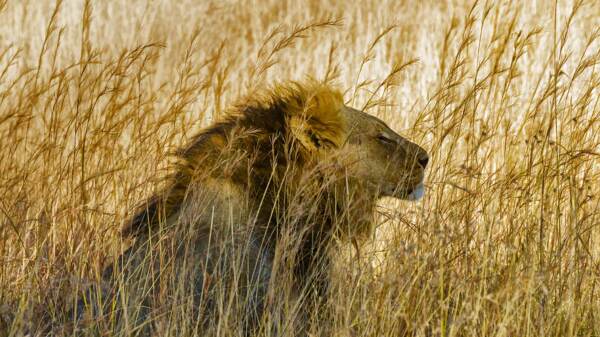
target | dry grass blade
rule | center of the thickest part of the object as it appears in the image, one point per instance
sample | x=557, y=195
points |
x=97, y=99
x=266, y=57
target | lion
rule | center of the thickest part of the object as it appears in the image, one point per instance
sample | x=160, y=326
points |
x=243, y=231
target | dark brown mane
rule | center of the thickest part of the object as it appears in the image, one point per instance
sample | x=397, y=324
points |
x=257, y=133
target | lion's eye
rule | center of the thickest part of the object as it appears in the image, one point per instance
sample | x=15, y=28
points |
x=386, y=140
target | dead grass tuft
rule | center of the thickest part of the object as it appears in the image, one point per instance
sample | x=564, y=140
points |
x=505, y=97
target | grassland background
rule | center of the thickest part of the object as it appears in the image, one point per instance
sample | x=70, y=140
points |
x=503, y=94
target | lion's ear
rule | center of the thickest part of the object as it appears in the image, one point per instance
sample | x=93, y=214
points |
x=316, y=135
x=304, y=134
x=316, y=119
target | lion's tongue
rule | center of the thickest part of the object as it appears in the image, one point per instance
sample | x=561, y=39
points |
x=417, y=193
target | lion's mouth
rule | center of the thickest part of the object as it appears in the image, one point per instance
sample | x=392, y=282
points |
x=412, y=193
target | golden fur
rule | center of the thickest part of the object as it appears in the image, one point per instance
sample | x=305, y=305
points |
x=263, y=192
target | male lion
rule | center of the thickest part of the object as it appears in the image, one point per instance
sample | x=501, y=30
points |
x=241, y=236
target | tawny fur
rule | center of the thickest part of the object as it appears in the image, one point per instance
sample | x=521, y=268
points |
x=260, y=198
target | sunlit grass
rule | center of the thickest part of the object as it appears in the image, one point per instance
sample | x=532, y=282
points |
x=95, y=97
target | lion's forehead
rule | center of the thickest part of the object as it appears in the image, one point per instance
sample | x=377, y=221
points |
x=361, y=121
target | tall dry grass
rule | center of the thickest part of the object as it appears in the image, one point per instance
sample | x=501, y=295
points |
x=94, y=97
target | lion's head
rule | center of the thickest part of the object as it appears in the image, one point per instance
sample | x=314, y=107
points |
x=391, y=163
x=361, y=146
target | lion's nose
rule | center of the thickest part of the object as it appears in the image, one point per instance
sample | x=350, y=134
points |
x=423, y=159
